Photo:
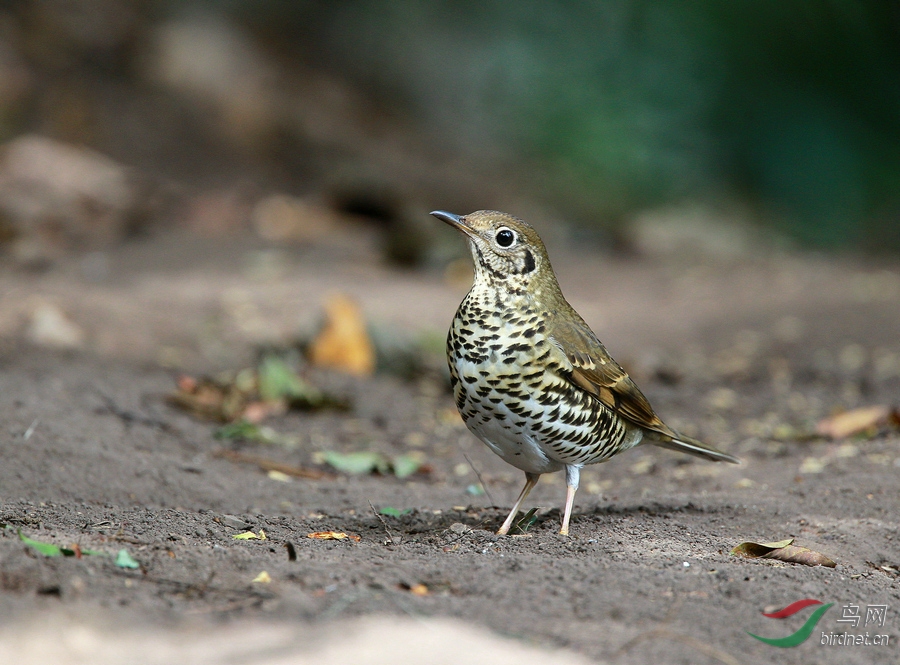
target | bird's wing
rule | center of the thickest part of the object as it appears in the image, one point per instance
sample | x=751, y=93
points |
x=595, y=371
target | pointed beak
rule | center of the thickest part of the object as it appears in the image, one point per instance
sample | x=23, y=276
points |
x=456, y=221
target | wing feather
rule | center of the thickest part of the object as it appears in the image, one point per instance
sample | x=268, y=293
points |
x=595, y=372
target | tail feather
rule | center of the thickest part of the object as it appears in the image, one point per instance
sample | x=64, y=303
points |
x=685, y=444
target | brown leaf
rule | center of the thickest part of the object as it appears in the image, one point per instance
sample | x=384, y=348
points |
x=207, y=399
x=854, y=421
x=343, y=343
x=333, y=535
x=783, y=550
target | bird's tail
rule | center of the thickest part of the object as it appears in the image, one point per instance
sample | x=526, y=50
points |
x=685, y=444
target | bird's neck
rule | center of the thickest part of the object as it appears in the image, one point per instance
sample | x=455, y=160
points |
x=540, y=292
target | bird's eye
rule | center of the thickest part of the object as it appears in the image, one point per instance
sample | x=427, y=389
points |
x=505, y=237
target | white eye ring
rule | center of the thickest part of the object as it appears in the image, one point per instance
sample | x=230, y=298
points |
x=505, y=237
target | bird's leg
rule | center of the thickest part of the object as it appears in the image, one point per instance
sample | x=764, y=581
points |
x=531, y=479
x=572, y=475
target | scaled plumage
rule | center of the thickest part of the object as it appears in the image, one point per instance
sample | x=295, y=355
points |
x=530, y=378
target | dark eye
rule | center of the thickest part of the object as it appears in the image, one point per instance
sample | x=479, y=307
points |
x=505, y=237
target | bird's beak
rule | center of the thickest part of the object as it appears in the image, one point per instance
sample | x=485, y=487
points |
x=456, y=221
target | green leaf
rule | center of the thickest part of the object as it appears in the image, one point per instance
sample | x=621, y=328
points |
x=243, y=429
x=406, y=465
x=246, y=535
x=394, y=512
x=248, y=431
x=525, y=523
x=124, y=560
x=47, y=549
x=358, y=462
x=278, y=380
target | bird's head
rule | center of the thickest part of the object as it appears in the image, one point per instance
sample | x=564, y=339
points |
x=507, y=251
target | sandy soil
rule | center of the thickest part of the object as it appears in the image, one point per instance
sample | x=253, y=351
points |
x=748, y=355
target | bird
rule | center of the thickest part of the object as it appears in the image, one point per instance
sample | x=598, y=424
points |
x=529, y=376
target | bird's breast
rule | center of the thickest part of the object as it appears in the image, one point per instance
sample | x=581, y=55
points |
x=510, y=387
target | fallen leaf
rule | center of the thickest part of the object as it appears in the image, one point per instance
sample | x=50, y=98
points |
x=246, y=535
x=356, y=463
x=783, y=550
x=208, y=399
x=49, y=549
x=394, y=512
x=248, y=431
x=242, y=429
x=124, y=560
x=406, y=465
x=418, y=590
x=522, y=526
x=343, y=343
x=277, y=380
x=367, y=461
x=263, y=578
x=333, y=535
x=250, y=395
x=867, y=419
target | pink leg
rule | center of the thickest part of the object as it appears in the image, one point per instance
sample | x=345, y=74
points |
x=531, y=479
x=570, y=501
x=572, y=476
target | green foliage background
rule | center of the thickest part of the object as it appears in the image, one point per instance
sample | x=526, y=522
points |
x=793, y=106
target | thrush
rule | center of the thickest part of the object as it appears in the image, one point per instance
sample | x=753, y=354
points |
x=529, y=376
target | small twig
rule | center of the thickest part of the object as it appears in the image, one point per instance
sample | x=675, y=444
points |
x=703, y=647
x=383, y=522
x=30, y=430
x=271, y=465
x=480, y=480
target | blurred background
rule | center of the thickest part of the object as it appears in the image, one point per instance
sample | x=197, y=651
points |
x=632, y=120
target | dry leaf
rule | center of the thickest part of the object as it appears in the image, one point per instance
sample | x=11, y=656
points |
x=250, y=395
x=418, y=590
x=333, y=535
x=856, y=421
x=343, y=343
x=783, y=550
x=207, y=399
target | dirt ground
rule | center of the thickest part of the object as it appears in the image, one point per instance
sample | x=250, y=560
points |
x=747, y=354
